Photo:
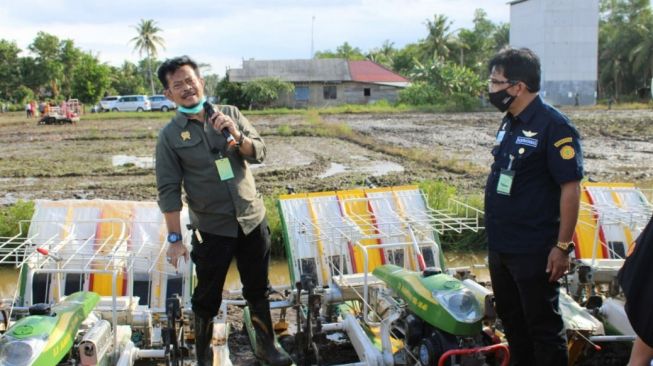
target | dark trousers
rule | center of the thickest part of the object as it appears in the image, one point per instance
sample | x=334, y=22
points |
x=212, y=259
x=527, y=304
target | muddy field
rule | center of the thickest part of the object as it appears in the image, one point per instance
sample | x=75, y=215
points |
x=111, y=158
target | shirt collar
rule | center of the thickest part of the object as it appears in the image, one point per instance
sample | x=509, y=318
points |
x=181, y=120
x=531, y=109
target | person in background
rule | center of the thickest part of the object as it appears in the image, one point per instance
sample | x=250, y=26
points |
x=532, y=198
x=226, y=211
x=33, y=109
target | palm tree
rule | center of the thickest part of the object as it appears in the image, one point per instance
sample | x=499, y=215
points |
x=641, y=57
x=436, y=44
x=147, y=41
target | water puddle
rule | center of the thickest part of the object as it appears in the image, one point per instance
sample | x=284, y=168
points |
x=334, y=169
x=145, y=162
x=374, y=168
x=379, y=168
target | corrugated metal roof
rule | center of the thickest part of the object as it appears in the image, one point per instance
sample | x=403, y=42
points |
x=333, y=69
x=368, y=71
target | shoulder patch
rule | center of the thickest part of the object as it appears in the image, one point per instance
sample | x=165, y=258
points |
x=567, y=152
x=563, y=141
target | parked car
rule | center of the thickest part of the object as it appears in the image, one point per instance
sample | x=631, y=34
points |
x=161, y=103
x=138, y=103
x=106, y=104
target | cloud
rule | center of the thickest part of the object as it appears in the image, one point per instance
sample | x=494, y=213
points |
x=222, y=33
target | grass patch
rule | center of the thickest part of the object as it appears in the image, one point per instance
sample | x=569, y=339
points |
x=284, y=130
x=274, y=222
x=127, y=115
x=10, y=216
x=438, y=195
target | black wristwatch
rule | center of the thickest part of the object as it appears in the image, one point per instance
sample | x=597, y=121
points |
x=566, y=247
x=174, y=237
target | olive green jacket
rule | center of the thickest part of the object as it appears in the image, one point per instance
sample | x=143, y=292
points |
x=186, y=154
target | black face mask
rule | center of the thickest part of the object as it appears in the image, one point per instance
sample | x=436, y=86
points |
x=501, y=99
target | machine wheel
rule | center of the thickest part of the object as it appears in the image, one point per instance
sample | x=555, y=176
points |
x=139, y=109
x=164, y=109
x=431, y=348
x=428, y=353
x=114, y=110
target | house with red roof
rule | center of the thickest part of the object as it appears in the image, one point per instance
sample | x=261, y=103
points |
x=325, y=82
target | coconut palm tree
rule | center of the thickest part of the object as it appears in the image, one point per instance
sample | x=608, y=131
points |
x=437, y=42
x=147, y=41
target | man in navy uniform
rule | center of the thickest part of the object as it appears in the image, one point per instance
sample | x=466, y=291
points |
x=531, y=207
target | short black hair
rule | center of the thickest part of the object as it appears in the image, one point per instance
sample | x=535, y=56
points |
x=520, y=64
x=171, y=65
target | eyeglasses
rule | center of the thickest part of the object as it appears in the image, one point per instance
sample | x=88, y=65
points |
x=180, y=85
x=500, y=82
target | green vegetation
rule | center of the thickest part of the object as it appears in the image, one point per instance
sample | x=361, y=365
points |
x=438, y=196
x=274, y=222
x=625, y=49
x=148, y=41
x=262, y=92
x=447, y=67
x=10, y=216
x=158, y=116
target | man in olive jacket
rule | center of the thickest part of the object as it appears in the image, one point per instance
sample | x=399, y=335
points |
x=209, y=155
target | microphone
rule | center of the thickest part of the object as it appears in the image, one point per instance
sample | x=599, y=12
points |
x=209, y=111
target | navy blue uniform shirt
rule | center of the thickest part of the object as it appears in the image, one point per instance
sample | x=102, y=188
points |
x=546, y=153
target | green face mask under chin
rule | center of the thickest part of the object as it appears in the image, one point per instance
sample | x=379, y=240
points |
x=193, y=110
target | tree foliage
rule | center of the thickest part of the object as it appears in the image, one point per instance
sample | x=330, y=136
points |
x=231, y=93
x=262, y=92
x=9, y=68
x=625, y=47
x=148, y=41
x=443, y=64
x=345, y=51
x=443, y=82
x=92, y=81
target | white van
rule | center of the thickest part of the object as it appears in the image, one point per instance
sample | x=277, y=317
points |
x=106, y=104
x=138, y=103
x=160, y=102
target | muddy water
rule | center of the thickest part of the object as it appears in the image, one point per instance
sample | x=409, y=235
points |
x=278, y=272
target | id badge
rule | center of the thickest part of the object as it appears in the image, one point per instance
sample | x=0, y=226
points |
x=500, y=137
x=224, y=169
x=505, y=182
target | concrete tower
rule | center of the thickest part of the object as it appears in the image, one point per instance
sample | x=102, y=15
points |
x=565, y=35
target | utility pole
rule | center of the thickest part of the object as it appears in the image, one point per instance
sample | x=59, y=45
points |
x=312, y=27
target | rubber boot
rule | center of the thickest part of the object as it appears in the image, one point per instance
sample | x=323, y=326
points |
x=266, y=351
x=203, y=334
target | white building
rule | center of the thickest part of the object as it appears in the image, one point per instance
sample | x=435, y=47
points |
x=565, y=35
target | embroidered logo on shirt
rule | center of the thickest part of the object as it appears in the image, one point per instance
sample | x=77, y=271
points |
x=529, y=133
x=561, y=142
x=185, y=135
x=526, y=141
x=567, y=152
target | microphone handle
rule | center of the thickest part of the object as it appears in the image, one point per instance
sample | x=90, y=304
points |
x=209, y=111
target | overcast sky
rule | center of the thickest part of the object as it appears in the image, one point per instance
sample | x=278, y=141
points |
x=222, y=33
